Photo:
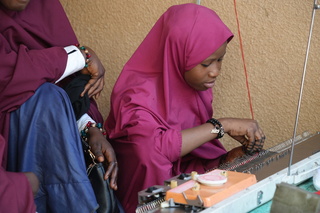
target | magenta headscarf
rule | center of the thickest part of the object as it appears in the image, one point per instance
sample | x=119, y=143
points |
x=151, y=83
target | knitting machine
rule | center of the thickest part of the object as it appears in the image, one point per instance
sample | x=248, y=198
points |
x=260, y=174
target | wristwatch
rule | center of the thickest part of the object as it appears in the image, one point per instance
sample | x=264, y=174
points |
x=218, y=128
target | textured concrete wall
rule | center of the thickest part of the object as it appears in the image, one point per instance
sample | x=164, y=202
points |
x=274, y=34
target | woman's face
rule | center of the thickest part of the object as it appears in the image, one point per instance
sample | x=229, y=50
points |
x=203, y=76
x=16, y=5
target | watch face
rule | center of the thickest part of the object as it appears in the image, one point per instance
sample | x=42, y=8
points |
x=215, y=130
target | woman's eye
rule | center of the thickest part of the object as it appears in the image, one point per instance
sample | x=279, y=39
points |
x=205, y=65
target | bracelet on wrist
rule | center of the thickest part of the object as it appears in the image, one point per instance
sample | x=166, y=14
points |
x=88, y=55
x=84, y=132
x=218, y=128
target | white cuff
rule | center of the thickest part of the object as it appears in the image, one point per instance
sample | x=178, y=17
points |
x=82, y=122
x=75, y=61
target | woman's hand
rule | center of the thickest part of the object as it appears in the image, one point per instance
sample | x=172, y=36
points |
x=246, y=131
x=105, y=154
x=34, y=182
x=96, y=70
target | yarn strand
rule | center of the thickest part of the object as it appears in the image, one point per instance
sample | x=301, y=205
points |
x=243, y=59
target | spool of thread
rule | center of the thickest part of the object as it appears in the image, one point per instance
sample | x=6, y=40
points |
x=196, y=187
x=194, y=175
x=173, y=184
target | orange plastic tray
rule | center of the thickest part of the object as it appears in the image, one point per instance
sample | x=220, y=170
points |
x=211, y=195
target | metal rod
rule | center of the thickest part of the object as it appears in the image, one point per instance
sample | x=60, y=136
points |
x=199, y=2
x=315, y=6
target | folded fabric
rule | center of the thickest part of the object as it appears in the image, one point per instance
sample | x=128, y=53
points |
x=74, y=89
x=289, y=198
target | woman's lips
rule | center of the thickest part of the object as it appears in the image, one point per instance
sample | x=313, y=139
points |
x=209, y=84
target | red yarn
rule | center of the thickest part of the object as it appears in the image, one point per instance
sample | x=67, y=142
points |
x=243, y=60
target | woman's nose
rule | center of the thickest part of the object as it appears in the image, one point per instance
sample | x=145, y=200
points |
x=214, y=71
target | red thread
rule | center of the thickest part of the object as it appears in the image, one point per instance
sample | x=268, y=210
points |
x=243, y=60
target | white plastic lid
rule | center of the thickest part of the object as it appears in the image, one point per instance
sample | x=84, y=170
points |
x=212, y=179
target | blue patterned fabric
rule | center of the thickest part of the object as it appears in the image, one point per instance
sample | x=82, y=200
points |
x=44, y=139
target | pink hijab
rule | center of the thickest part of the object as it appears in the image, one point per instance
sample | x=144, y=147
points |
x=152, y=83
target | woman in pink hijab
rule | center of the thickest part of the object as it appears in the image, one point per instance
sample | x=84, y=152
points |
x=160, y=123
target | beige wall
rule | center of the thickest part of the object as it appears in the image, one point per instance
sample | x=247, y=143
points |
x=274, y=35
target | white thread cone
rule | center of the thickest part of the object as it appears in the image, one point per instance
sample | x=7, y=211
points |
x=316, y=180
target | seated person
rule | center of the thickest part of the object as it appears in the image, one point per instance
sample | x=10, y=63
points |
x=38, y=49
x=160, y=123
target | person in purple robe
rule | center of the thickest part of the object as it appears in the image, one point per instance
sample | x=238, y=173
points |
x=40, y=58
x=160, y=123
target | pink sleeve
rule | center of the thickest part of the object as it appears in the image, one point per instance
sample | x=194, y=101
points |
x=94, y=112
x=142, y=128
x=15, y=193
x=15, y=190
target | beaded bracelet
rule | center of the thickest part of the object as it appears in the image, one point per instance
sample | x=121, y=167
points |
x=88, y=55
x=84, y=132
